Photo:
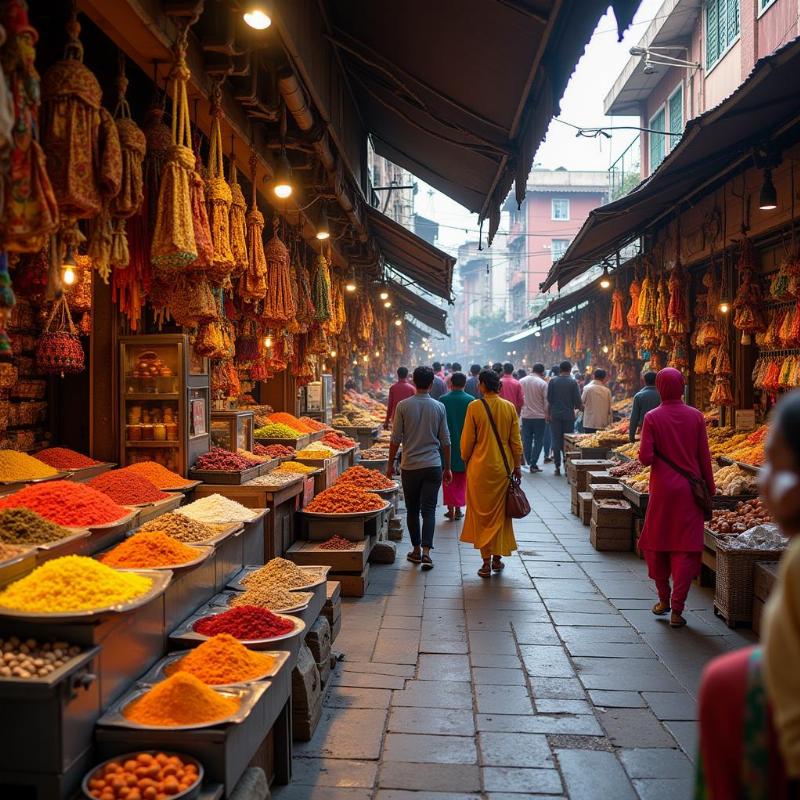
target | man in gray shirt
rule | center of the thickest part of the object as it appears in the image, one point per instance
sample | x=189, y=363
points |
x=420, y=425
x=563, y=400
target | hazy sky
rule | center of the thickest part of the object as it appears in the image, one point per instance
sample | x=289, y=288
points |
x=582, y=105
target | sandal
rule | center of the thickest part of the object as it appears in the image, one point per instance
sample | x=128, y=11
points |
x=458, y=515
x=659, y=609
x=485, y=571
x=677, y=621
x=414, y=558
x=497, y=564
x=449, y=515
x=427, y=563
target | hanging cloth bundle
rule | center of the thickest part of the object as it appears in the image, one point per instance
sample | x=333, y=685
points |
x=174, y=244
x=84, y=159
x=30, y=212
x=279, y=307
x=219, y=197
x=238, y=224
x=321, y=291
x=128, y=201
x=202, y=227
x=253, y=285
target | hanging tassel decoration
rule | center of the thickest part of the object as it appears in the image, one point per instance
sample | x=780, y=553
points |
x=253, y=285
x=238, y=223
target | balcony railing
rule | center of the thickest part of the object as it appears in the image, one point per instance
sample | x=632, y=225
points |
x=626, y=172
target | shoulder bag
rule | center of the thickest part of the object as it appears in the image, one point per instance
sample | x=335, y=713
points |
x=700, y=494
x=517, y=505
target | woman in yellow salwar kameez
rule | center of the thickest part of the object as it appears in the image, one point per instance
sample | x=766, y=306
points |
x=486, y=525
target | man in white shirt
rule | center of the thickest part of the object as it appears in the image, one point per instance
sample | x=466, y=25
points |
x=533, y=415
x=596, y=399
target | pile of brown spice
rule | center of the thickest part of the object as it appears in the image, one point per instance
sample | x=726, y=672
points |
x=180, y=527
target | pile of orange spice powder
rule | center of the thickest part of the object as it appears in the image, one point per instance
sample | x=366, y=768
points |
x=160, y=476
x=223, y=659
x=181, y=699
x=345, y=498
x=74, y=505
x=149, y=551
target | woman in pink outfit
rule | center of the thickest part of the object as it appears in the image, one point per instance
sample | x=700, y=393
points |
x=672, y=539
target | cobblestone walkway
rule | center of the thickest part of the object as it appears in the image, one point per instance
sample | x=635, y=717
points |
x=550, y=680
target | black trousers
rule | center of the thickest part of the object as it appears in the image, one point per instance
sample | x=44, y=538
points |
x=421, y=492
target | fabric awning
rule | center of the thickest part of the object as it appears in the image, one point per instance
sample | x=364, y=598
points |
x=419, y=308
x=415, y=332
x=714, y=144
x=461, y=92
x=519, y=335
x=426, y=265
x=572, y=300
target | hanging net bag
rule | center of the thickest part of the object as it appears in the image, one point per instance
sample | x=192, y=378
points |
x=174, y=244
x=253, y=285
x=279, y=307
x=238, y=223
x=59, y=350
x=218, y=198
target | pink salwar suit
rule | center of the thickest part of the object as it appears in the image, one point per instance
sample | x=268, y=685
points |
x=672, y=538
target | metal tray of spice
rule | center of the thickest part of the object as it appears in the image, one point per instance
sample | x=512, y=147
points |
x=205, y=552
x=182, y=489
x=247, y=694
x=188, y=794
x=365, y=514
x=223, y=600
x=18, y=565
x=87, y=473
x=319, y=574
x=59, y=476
x=186, y=634
x=385, y=492
x=160, y=579
x=118, y=525
x=219, y=477
x=168, y=666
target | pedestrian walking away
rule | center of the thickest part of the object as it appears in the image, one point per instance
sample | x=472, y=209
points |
x=672, y=537
x=439, y=387
x=644, y=400
x=455, y=367
x=534, y=416
x=420, y=426
x=471, y=387
x=596, y=400
x=456, y=402
x=486, y=525
x=398, y=391
x=510, y=389
x=563, y=400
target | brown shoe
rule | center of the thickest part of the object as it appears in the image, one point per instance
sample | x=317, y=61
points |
x=676, y=621
x=659, y=609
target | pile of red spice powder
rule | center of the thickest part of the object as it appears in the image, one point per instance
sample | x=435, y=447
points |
x=74, y=505
x=127, y=489
x=246, y=623
x=64, y=458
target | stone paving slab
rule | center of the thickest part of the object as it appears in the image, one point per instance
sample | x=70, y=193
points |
x=550, y=680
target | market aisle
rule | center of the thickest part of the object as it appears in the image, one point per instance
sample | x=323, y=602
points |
x=552, y=680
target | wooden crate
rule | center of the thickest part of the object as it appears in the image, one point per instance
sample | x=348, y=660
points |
x=600, y=476
x=606, y=491
x=310, y=554
x=585, y=507
x=352, y=585
x=612, y=513
x=609, y=539
x=583, y=466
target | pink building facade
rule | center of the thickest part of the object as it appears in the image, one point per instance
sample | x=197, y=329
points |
x=720, y=41
x=556, y=204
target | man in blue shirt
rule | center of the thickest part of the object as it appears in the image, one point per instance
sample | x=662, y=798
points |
x=472, y=381
x=644, y=400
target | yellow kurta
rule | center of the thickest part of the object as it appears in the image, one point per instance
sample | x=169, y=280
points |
x=485, y=523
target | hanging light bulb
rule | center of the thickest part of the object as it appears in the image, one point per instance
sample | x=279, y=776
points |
x=537, y=333
x=768, y=197
x=323, y=229
x=366, y=358
x=387, y=304
x=283, y=176
x=605, y=280
x=355, y=362
x=398, y=322
x=384, y=295
x=605, y=348
x=724, y=307
x=257, y=16
x=350, y=286
x=68, y=266
x=333, y=354
x=268, y=341
x=377, y=353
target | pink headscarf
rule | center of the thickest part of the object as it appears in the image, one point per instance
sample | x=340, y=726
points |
x=670, y=383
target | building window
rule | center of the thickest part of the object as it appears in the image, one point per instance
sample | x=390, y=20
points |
x=558, y=247
x=657, y=141
x=763, y=5
x=722, y=28
x=675, y=104
x=559, y=208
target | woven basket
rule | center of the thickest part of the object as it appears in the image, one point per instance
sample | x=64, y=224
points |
x=733, y=597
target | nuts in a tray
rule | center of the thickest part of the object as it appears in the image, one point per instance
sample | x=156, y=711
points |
x=30, y=659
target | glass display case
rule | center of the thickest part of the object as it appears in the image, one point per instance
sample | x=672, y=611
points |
x=164, y=401
x=232, y=430
x=317, y=399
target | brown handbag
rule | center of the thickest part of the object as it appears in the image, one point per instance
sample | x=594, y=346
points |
x=700, y=493
x=517, y=505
